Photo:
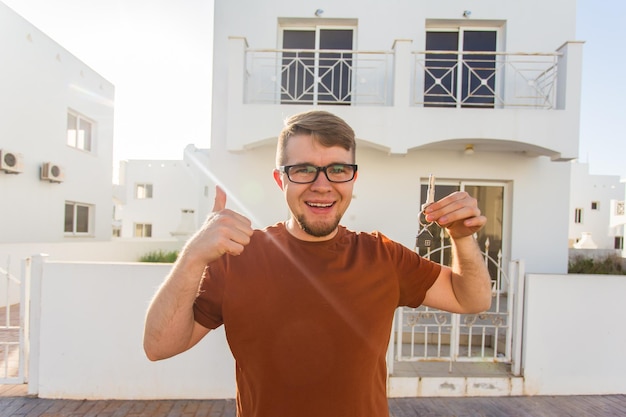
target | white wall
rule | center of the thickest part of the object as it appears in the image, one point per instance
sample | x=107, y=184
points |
x=87, y=326
x=40, y=81
x=118, y=250
x=90, y=340
x=404, y=19
x=574, y=335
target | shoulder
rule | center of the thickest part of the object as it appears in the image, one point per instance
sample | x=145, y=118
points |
x=375, y=240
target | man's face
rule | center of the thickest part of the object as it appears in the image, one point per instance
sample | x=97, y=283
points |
x=316, y=208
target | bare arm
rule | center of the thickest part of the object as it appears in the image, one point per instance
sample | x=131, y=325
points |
x=170, y=327
x=466, y=287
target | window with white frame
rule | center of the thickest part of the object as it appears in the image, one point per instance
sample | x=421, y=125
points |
x=317, y=64
x=78, y=218
x=79, y=131
x=456, y=79
x=595, y=205
x=143, y=191
x=578, y=215
x=143, y=230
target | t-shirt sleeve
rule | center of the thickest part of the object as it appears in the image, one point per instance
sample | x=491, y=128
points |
x=415, y=274
x=207, y=309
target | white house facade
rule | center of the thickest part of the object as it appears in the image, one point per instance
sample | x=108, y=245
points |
x=593, y=210
x=484, y=95
x=156, y=199
x=56, y=140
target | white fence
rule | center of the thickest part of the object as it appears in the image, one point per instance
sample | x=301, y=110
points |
x=87, y=326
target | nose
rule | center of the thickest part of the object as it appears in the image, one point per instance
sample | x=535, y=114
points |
x=321, y=182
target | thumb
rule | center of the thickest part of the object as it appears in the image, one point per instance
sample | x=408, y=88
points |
x=220, y=199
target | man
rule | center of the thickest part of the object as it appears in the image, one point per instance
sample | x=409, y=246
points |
x=307, y=305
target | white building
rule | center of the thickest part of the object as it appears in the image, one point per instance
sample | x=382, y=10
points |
x=56, y=140
x=156, y=199
x=497, y=114
x=593, y=202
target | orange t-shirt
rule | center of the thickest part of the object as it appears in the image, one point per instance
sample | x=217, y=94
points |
x=309, y=322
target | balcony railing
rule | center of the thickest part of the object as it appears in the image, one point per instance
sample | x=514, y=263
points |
x=438, y=78
x=340, y=77
x=485, y=79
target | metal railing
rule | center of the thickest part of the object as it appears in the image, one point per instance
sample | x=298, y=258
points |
x=438, y=78
x=322, y=76
x=426, y=334
x=485, y=79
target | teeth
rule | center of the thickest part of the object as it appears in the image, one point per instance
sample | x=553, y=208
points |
x=321, y=205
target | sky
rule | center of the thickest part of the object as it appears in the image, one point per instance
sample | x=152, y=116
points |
x=157, y=53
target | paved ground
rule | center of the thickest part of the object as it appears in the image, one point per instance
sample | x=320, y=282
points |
x=571, y=406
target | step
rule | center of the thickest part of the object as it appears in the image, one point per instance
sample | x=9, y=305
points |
x=458, y=379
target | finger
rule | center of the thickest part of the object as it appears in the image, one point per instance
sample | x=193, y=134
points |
x=220, y=199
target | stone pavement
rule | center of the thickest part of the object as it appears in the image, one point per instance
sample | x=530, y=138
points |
x=572, y=406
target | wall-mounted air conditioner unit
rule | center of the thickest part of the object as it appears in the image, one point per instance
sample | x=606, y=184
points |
x=52, y=172
x=11, y=162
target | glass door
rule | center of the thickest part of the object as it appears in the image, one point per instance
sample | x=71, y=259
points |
x=490, y=197
x=312, y=77
x=458, y=79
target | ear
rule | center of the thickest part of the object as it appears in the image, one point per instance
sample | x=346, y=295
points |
x=278, y=178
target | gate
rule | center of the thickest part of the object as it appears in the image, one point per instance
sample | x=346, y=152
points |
x=427, y=334
x=13, y=319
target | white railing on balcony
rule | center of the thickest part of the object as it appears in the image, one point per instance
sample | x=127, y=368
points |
x=485, y=79
x=286, y=76
x=439, y=78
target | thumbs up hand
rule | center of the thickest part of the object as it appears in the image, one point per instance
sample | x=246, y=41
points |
x=224, y=231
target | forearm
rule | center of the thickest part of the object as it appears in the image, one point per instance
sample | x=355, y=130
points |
x=169, y=321
x=471, y=282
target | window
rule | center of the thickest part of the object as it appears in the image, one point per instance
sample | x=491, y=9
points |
x=79, y=132
x=308, y=77
x=619, y=242
x=143, y=230
x=143, y=191
x=78, y=218
x=595, y=205
x=578, y=215
x=456, y=79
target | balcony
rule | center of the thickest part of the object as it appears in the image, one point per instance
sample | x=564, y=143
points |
x=502, y=101
x=439, y=78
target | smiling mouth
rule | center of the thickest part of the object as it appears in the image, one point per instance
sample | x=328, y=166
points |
x=320, y=205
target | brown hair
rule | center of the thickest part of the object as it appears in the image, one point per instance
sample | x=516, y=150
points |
x=326, y=128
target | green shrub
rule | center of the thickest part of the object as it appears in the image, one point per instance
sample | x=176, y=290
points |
x=610, y=265
x=160, y=256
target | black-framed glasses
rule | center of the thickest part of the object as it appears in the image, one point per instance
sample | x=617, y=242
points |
x=306, y=173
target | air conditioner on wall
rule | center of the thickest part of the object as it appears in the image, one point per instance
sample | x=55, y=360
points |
x=11, y=162
x=52, y=172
